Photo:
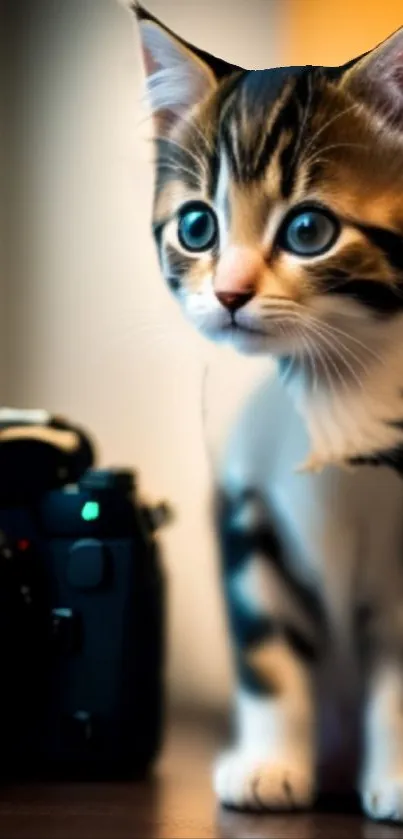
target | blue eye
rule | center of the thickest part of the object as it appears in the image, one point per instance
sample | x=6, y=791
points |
x=309, y=232
x=197, y=226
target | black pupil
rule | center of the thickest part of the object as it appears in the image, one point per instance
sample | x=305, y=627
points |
x=307, y=229
x=198, y=225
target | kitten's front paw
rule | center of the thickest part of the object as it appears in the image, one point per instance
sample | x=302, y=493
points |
x=382, y=800
x=247, y=782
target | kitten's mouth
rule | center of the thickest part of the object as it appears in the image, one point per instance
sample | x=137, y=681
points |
x=254, y=339
x=236, y=327
x=249, y=327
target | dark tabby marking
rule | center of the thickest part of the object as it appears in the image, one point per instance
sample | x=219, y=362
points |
x=388, y=241
x=249, y=629
x=364, y=617
x=386, y=457
x=382, y=299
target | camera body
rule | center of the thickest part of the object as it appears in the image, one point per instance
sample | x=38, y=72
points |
x=82, y=627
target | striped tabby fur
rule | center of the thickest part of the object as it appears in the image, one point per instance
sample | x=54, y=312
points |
x=278, y=218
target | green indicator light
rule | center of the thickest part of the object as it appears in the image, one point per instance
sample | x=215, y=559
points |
x=90, y=511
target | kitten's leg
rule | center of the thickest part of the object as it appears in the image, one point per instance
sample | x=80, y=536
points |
x=273, y=763
x=382, y=778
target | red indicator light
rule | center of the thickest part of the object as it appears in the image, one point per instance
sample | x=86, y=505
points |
x=23, y=545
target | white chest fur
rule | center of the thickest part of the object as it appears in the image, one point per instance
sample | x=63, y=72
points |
x=357, y=407
x=343, y=527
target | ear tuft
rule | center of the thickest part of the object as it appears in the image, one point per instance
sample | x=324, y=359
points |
x=377, y=78
x=176, y=78
x=179, y=75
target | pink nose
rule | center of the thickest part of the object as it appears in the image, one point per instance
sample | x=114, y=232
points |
x=237, y=276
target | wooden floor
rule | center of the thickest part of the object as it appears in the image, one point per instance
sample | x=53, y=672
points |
x=177, y=804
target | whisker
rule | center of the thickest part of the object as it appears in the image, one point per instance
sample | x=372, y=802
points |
x=333, y=344
x=335, y=333
x=337, y=330
x=325, y=357
x=321, y=329
x=289, y=306
x=179, y=168
x=193, y=125
x=270, y=312
x=318, y=156
x=312, y=362
x=327, y=328
x=339, y=333
x=339, y=408
x=152, y=324
x=345, y=146
x=187, y=152
x=204, y=417
x=330, y=122
x=337, y=404
x=323, y=338
x=146, y=118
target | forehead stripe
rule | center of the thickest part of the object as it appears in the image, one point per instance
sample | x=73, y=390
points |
x=300, y=103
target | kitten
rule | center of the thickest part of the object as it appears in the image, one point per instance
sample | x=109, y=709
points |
x=278, y=218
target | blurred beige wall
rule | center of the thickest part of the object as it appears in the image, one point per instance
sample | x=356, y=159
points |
x=92, y=330
x=4, y=199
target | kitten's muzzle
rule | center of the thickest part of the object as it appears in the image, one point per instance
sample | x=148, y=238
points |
x=237, y=275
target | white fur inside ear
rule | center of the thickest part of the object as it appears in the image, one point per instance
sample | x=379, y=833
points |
x=176, y=79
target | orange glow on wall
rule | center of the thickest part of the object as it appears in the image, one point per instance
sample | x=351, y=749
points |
x=333, y=31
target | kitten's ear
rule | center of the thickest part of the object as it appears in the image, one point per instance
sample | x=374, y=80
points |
x=178, y=75
x=377, y=78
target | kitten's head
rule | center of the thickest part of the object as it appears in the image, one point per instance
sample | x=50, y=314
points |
x=278, y=211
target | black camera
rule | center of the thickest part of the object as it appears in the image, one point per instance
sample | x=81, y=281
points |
x=82, y=608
